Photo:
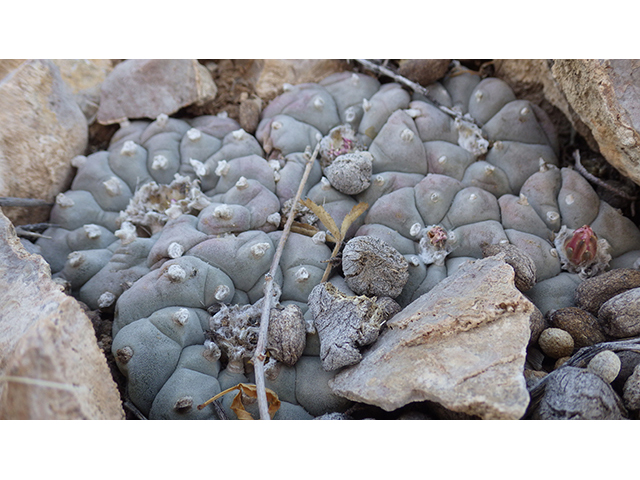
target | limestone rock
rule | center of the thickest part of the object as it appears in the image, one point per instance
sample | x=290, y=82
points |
x=604, y=94
x=462, y=345
x=41, y=130
x=84, y=78
x=46, y=337
x=148, y=88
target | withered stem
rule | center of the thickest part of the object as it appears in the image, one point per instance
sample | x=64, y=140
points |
x=259, y=355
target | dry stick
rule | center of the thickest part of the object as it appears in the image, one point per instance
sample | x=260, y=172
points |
x=259, y=356
x=592, y=178
x=23, y=202
x=416, y=87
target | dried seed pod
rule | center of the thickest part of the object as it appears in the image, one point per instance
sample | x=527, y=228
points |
x=594, y=292
x=525, y=269
x=620, y=316
x=343, y=323
x=350, y=173
x=373, y=267
x=287, y=334
x=537, y=324
x=556, y=343
x=575, y=393
x=581, y=325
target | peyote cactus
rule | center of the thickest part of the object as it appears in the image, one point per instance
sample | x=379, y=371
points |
x=176, y=225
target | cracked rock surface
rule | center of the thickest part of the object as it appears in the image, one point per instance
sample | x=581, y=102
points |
x=436, y=348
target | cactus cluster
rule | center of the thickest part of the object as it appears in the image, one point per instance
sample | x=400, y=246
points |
x=180, y=218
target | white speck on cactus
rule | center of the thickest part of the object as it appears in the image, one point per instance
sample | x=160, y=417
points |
x=174, y=211
x=406, y=135
x=112, y=186
x=553, y=216
x=200, y=168
x=470, y=136
x=180, y=317
x=473, y=197
x=287, y=87
x=325, y=184
x=302, y=275
x=414, y=260
x=78, y=161
x=274, y=164
x=176, y=273
x=126, y=233
x=318, y=137
x=498, y=145
x=125, y=123
x=162, y=120
x=569, y=199
x=221, y=292
x=524, y=111
x=366, y=105
x=434, y=197
x=355, y=80
x=106, y=300
x=194, y=134
x=259, y=249
x=63, y=201
x=318, y=103
x=504, y=241
x=378, y=180
x=175, y=250
x=238, y=134
x=223, y=168
x=92, y=231
x=223, y=212
x=553, y=252
x=489, y=169
x=223, y=114
x=75, y=259
x=442, y=160
x=523, y=200
x=274, y=219
x=415, y=230
x=350, y=114
x=478, y=96
x=128, y=148
x=242, y=183
x=412, y=112
x=319, y=238
x=160, y=162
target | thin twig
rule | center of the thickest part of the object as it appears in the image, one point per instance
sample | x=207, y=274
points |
x=416, y=87
x=133, y=409
x=23, y=202
x=601, y=183
x=260, y=355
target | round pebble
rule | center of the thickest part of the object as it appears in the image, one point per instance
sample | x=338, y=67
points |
x=606, y=365
x=556, y=343
x=559, y=362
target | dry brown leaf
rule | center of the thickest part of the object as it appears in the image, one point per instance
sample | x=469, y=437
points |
x=351, y=217
x=249, y=390
x=324, y=217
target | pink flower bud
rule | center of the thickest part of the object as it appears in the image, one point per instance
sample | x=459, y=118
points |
x=582, y=247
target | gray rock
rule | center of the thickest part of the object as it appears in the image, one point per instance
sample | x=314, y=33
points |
x=462, y=345
x=620, y=316
x=148, y=88
x=576, y=394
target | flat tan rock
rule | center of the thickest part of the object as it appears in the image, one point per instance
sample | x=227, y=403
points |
x=605, y=94
x=84, y=78
x=41, y=130
x=50, y=363
x=462, y=345
x=148, y=88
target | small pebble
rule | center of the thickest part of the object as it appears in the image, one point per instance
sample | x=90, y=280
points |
x=556, y=343
x=606, y=365
x=561, y=361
